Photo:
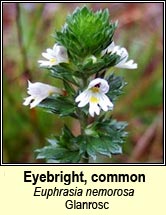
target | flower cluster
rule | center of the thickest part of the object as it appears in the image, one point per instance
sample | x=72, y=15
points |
x=96, y=90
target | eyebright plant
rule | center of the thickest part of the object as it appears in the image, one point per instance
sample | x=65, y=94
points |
x=81, y=57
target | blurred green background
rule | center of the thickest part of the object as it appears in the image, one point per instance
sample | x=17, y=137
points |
x=27, y=31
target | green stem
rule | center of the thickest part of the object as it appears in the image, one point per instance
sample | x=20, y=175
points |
x=86, y=158
x=84, y=123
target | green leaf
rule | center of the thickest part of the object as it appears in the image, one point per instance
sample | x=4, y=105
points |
x=63, y=72
x=113, y=148
x=98, y=146
x=66, y=138
x=63, y=149
x=112, y=128
x=101, y=64
x=111, y=136
x=71, y=157
x=116, y=84
x=69, y=89
x=50, y=152
x=58, y=155
x=59, y=105
x=91, y=149
x=86, y=32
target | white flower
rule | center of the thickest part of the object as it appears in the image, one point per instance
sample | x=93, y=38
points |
x=38, y=92
x=54, y=56
x=122, y=52
x=95, y=96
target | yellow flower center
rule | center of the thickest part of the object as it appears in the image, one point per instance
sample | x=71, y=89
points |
x=95, y=89
x=52, y=60
x=94, y=99
x=50, y=92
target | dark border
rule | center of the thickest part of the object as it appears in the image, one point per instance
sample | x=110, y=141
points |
x=81, y=164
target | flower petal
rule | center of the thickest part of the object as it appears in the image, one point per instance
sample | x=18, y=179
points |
x=47, y=56
x=131, y=64
x=93, y=108
x=95, y=96
x=103, y=84
x=38, y=92
x=94, y=82
x=54, y=56
x=50, y=52
x=105, y=103
x=127, y=65
x=44, y=63
x=55, y=47
x=109, y=49
x=28, y=100
x=36, y=102
x=83, y=98
x=123, y=53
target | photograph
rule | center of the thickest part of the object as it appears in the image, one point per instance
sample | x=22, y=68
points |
x=83, y=83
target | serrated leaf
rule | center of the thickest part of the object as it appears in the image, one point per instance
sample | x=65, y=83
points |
x=53, y=142
x=71, y=157
x=50, y=152
x=66, y=139
x=113, y=148
x=99, y=146
x=102, y=63
x=116, y=84
x=91, y=150
x=86, y=32
x=59, y=105
x=64, y=73
x=69, y=89
x=62, y=149
x=60, y=152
